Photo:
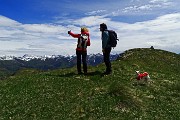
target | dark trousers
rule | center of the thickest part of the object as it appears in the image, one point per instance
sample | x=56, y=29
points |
x=107, y=61
x=81, y=56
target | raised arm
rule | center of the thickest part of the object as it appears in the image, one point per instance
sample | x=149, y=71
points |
x=74, y=35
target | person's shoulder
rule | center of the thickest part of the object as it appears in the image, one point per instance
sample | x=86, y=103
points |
x=106, y=32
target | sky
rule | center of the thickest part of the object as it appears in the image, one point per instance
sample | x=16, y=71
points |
x=40, y=27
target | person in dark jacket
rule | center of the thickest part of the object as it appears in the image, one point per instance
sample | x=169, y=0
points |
x=81, y=50
x=106, y=48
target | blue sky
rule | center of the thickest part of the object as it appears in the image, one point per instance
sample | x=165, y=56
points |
x=39, y=27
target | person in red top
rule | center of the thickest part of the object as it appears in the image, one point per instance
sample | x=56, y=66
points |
x=81, y=50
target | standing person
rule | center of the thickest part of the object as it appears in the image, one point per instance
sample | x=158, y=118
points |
x=106, y=48
x=81, y=50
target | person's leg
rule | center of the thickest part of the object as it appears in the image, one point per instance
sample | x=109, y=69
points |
x=107, y=60
x=78, y=54
x=84, y=60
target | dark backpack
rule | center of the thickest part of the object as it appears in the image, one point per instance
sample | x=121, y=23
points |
x=113, y=38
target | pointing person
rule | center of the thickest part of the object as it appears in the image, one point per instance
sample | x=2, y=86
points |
x=81, y=50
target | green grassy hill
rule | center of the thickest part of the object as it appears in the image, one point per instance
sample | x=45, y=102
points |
x=62, y=94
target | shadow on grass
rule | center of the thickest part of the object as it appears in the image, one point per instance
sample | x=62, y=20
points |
x=95, y=73
x=62, y=75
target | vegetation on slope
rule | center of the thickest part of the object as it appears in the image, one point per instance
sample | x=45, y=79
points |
x=62, y=94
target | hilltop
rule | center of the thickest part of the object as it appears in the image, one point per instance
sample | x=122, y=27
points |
x=62, y=94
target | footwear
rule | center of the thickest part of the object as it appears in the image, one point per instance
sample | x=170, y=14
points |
x=80, y=73
x=107, y=72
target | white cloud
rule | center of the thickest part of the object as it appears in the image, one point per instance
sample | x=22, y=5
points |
x=90, y=21
x=97, y=12
x=162, y=32
x=39, y=39
x=43, y=28
x=4, y=21
x=143, y=8
x=159, y=1
x=138, y=7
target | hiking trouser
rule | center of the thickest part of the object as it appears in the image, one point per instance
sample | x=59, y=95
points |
x=107, y=61
x=81, y=56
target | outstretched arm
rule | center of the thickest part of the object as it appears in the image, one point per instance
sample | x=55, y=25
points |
x=73, y=35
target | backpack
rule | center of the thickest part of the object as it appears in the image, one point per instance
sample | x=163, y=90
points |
x=113, y=38
x=82, y=41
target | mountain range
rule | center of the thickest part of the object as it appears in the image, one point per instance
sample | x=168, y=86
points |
x=11, y=64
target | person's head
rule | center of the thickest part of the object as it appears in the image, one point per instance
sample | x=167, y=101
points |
x=103, y=27
x=84, y=29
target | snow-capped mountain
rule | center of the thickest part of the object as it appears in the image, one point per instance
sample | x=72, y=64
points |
x=11, y=64
x=7, y=57
x=27, y=57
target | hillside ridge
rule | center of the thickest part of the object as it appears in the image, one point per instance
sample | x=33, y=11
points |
x=62, y=94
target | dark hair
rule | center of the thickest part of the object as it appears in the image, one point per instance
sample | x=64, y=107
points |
x=103, y=26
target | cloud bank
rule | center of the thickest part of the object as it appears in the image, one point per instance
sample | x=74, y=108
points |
x=47, y=39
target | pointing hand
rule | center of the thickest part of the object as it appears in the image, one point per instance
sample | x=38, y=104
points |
x=69, y=32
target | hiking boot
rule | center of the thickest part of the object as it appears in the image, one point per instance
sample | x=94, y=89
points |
x=80, y=73
x=107, y=72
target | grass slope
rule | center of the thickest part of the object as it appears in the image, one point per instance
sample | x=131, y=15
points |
x=62, y=94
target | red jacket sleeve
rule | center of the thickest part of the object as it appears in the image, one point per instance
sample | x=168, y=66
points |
x=74, y=35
